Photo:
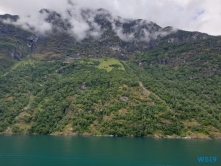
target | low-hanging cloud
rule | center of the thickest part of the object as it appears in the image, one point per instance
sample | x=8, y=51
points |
x=79, y=22
x=192, y=15
x=71, y=16
x=34, y=23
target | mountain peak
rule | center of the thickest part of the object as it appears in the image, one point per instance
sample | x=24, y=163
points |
x=9, y=17
x=70, y=32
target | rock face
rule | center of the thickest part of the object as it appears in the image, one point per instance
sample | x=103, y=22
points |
x=124, y=99
x=14, y=42
x=83, y=87
x=117, y=37
x=15, y=54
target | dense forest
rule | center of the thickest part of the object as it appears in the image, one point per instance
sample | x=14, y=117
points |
x=169, y=91
x=168, y=86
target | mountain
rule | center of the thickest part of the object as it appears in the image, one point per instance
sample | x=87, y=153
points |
x=115, y=76
x=118, y=37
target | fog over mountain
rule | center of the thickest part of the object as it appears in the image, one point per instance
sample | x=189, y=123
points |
x=116, y=68
x=80, y=22
x=72, y=28
x=191, y=15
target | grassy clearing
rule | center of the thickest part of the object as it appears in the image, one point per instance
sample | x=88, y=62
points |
x=109, y=64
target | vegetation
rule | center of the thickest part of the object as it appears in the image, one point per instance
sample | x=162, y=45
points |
x=46, y=57
x=109, y=64
x=171, y=90
x=48, y=97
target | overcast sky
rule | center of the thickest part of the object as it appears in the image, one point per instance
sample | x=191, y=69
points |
x=192, y=15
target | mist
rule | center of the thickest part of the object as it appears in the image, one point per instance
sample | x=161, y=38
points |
x=79, y=22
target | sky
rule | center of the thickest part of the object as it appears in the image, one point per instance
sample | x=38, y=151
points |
x=191, y=15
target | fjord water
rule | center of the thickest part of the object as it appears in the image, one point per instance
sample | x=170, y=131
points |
x=27, y=150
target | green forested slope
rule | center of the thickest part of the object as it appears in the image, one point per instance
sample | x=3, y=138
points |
x=188, y=78
x=173, y=90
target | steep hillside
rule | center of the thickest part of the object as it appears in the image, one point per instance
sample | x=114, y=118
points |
x=135, y=79
x=187, y=77
x=109, y=97
x=107, y=35
x=79, y=97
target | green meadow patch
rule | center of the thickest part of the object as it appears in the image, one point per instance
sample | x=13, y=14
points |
x=109, y=64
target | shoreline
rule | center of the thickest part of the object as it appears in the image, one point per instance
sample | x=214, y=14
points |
x=92, y=135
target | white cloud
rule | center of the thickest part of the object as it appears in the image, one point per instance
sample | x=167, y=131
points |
x=35, y=23
x=183, y=14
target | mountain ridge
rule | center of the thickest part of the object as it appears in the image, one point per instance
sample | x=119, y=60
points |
x=125, y=40
x=129, y=85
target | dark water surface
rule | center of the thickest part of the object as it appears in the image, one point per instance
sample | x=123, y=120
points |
x=26, y=150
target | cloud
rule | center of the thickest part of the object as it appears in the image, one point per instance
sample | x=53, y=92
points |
x=34, y=23
x=80, y=23
x=191, y=15
x=70, y=17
